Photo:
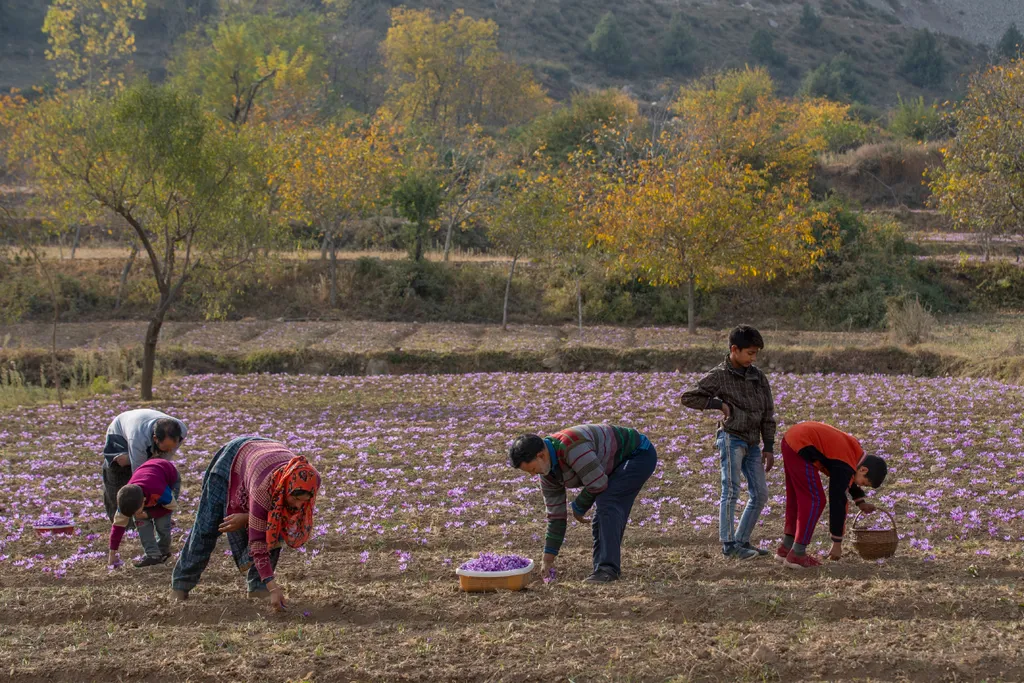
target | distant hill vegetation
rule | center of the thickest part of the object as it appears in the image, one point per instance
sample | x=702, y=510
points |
x=651, y=46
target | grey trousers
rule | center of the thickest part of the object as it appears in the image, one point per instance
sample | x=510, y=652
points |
x=155, y=535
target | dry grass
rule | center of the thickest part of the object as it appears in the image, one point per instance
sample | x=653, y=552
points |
x=909, y=322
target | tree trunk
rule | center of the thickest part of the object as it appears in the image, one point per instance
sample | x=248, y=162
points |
x=323, y=248
x=448, y=242
x=508, y=288
x=987, y=242
x=579, y=304
x=78, y=236
x=124, y=276
x=53, y=348
x=691, y=305
x=149, y=352
x=334, y=273
x=418, y=255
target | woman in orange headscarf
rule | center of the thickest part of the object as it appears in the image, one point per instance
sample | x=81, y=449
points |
x=262, y=495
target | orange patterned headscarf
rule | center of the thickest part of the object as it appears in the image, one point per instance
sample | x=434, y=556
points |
x=292, y=526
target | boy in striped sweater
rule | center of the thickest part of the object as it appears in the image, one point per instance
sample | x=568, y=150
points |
x=807, y=449
x=610, y=463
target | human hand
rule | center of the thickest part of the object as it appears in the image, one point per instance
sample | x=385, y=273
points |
x=113, y=559
x=579, y=518
x=836, y=552
x=726, y=410
x=768, y=458
x=235, y=522
x=141, y=515
x=277, y=599
x=866, y=507
x=121, y=460
x=547, y=564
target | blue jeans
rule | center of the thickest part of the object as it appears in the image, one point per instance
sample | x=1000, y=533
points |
x=738, y=457
x=613, y=505
x=213, y=503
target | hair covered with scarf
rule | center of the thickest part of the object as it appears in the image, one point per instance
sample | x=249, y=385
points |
x=296, y=478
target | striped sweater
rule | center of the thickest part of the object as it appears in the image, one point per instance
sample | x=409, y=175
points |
x=249, y=492
x=582, y=456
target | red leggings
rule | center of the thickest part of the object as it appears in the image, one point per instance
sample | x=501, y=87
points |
x=805, y=497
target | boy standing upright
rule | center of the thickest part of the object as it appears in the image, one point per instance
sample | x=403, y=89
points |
x=740, y=391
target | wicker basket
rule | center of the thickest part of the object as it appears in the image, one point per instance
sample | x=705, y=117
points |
x=483, y=582
x=874, y=544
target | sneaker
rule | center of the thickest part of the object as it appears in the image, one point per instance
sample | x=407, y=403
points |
x=781, y=553
x=738, y=552
x=601, y=576
x=794, y=561
x=148, y=561
x=761, y=552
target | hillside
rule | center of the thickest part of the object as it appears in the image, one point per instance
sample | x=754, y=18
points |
x=551, y=35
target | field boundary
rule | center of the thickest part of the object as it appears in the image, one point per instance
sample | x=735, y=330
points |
x=888, y=360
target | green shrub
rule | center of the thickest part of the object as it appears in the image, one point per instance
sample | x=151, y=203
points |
x=810, y=21
x=834, y=79
x=762, y=47
x=607, y=45
x=1010, y=45
x=867, y=260
x=570, y=128
x=846, y=134
x=916, y=120
x=923, y=62
x=677, y=45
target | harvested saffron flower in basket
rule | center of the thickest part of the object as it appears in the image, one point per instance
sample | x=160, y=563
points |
x=491, y=562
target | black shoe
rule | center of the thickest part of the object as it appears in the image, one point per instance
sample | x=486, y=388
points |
x=760, y=551
x=601, y=576
x=150, y=561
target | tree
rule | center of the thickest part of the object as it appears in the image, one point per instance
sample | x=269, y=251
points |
x=151, y=157
x=24, y=238
x=329, y=175
x=834, y=79
x=738, y=115
x=981, y=185
x=572, y=244
x=417, y=198
x=762, y=47
x=245, y=64
x=693, y=217
x=923, y=63
x=445, y=75
x=1011, y=44
x=810, y=21
x=677, y=45
x=608, y=45
x=466, y=172
x=527, y=209
x=91, y=41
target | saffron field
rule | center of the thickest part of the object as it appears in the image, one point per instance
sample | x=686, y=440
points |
x=416, y=482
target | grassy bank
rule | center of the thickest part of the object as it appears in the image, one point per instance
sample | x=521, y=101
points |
x=104, y=356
